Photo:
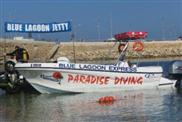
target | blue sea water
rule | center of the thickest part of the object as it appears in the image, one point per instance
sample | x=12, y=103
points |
x=162, y=105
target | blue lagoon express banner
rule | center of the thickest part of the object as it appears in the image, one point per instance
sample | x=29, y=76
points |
x=38, y=27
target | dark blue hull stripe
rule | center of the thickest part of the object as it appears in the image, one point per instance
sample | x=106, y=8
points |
x=89, y=70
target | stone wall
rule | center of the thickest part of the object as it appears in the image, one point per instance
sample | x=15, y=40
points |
x=99, y=51
x=93, y=51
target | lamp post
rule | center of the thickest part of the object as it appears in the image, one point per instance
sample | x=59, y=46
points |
x=73, y=42
x=98, y=29
x=111, y=25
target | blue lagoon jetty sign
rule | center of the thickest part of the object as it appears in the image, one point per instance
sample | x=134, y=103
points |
x=38, y=28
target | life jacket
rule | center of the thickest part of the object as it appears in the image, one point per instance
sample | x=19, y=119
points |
x=25, y=56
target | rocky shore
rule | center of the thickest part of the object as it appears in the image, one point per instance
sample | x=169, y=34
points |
x=90, y=52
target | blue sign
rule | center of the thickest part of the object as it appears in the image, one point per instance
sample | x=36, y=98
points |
x=38, y=28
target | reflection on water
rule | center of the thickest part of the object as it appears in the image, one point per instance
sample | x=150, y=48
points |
x=142, y=106
x=159, y=105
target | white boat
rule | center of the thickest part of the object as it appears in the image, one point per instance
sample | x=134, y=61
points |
x=66, y=77
x=70, y=77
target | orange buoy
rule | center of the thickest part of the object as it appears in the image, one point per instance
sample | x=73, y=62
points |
x=101, y=100
x=138, y=46
x=107, y=100
x=111, y=98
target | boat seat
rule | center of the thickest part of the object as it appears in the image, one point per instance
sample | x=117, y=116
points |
x=63, y=60
x=122, y=64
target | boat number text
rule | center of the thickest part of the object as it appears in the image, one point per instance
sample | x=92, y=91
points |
x=35, y=65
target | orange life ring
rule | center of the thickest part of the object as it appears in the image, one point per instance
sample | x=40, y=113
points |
x=138, y=46
x=121, y=47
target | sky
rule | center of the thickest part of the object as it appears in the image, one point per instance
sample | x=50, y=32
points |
x=96, y=19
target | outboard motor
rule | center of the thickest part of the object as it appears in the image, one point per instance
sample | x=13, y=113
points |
x=175, y=72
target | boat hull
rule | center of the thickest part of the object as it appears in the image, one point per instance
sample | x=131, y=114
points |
x=79, y=81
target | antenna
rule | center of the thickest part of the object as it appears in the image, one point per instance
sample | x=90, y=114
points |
x=30, y=35
x=98, y=29
x=163, y=28
x=111, y=24
x=1, y=3
x=73, y=41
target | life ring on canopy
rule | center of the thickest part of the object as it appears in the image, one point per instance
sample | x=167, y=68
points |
x=121, y=47
x=138, y=46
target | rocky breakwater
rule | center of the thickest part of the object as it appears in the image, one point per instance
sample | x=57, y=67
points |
x=158, y=49
x=104, y=51
x=90, y=52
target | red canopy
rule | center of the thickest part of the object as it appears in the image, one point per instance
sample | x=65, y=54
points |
x=130, y=35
